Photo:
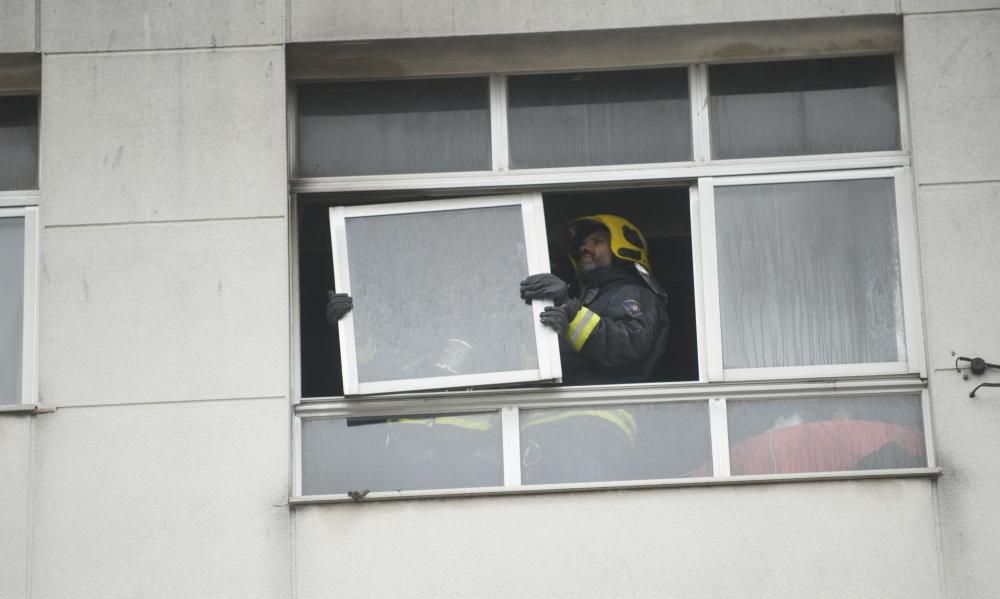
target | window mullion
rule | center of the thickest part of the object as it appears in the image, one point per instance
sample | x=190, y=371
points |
x=498, y=123
x=909, y=271
x=925, y=412
x=297, y=474
x=902, y=104
x=710, y=280
x=700, y=132
x=292, y=126
x=699, y=281
x=29, y=335
x=510, y=419
x=719, y=427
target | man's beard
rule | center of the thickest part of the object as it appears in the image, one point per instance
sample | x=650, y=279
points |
x=584, y=266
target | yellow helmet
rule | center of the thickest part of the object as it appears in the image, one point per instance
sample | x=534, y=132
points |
x=627, y=241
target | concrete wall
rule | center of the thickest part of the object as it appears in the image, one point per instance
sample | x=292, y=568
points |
x=164, y=343
x=15, y=504
x=317, y=20
x=164, y=339
x=817, y=540
x=17, y=26
x=953, y=67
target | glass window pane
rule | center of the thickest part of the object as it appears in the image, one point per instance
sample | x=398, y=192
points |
x=809, y=274
x=803, y=107
x=436, y=294
x=608, y=443
x=825, y=435
x=18, y=143
x=582, y=119
x=416, y=452
x=382, y=127
x=11, y=307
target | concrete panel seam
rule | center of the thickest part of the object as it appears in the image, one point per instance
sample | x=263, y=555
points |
x=959, y=183
x=38, y=25
x=953, y=11
x=171, y=402
x=32, y=473
x=939, y=540
x=141, y=51
x=179, y=221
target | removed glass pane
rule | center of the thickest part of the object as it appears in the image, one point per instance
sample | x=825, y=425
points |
x=825, y=435
x=384, y=127
x=809, y=274
x=436, y=294
x=18, y=143
x=609, y=443
x=803, y=107
x=582, y=119
x=389, y=454
x=11, y=307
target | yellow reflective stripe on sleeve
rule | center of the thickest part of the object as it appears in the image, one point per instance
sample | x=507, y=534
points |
x=581, y=327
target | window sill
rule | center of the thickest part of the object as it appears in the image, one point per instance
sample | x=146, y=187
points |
x=929, y=472
x=425, y=402
x=26, y=409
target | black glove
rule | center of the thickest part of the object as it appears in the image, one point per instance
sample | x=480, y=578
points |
x=337, y=305
x=558, y=318
x=544, y=286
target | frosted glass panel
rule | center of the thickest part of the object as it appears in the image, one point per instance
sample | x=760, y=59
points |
x=437, y=294
x=582, y=119
x=18, y=143
x=11, y=307
x=809, y=274
x=382, y=127
x=825, y=435
x=606, y=443
x=803, y=107
x=378, y=454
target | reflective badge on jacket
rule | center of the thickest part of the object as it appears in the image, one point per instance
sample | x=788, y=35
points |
x=632, y=307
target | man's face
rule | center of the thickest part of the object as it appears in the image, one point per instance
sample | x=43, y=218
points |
x=595, y=251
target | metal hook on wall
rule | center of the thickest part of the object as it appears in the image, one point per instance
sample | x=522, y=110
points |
x=973, y=392
x=977, y=366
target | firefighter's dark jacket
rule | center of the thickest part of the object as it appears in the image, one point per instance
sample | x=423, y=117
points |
x=619, y=334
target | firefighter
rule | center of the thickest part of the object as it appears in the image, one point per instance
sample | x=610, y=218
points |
x=616, y=331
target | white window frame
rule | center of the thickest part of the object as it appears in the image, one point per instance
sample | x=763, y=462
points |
x=29, y=320
x=546, y=340
x=907, y=249
x=714, y=386
x=715, y=396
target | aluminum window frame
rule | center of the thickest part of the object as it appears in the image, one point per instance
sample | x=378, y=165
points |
x=29, y=318
x=909, y=284
x=26, y=197
x=700, y=174
x=902, y=106
x=546, y=340
x=715, y=396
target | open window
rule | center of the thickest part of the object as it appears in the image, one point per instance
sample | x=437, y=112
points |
x=448, y=236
